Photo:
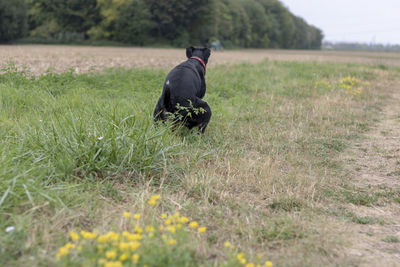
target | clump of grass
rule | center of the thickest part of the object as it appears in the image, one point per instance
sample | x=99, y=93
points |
x=282, y=229
x=391, y=239
x=349, y=216
x=287, y=204
x=360, y=198
x=47, y=139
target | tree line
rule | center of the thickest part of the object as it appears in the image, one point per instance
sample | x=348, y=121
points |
x=236, y=23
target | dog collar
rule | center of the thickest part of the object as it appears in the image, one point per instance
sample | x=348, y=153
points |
x=202, y=62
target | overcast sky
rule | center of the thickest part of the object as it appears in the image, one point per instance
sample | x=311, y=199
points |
x=352, y=20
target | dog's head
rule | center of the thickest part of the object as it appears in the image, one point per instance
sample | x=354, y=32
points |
x=198, y=51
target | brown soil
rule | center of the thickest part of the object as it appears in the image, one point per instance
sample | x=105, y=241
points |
x=374, y=164
x=40, y=58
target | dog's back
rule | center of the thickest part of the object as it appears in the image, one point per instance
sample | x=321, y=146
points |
x=183, y=83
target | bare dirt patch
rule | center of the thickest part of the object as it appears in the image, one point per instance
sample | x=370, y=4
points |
x=375, y=169
x=40, y=58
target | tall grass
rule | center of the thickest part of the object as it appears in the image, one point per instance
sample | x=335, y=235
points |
x=54, y=131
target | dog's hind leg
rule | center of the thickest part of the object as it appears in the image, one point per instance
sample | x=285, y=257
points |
x=158, y=112
x=204, y=115
x=162, y=105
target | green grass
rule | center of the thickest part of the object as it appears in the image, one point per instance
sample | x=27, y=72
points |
x=77, y=150
x=391, y=239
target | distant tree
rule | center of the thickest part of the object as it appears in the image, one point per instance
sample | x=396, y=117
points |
x=317, y=37
x=13, y=19
x=72, y=15
x=109, y=13
x=133, y=24
x=176, y=19
x=303, y=35
x=260, y=24
x=241, y=28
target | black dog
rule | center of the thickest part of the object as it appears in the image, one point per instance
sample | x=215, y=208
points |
x=183, y=90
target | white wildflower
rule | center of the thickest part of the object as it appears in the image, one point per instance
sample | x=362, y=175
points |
x=9, y=229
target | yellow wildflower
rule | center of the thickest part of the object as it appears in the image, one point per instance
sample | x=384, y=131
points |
x=172, y=242
x=134, y=237
x=135, y=258
x=250, y=265
x=149, y=229
x=102, y=239
x=228, y=244
x=125, y=234
x=240, y=257
x=113, y=236
x=113, y=264
x=163, y=216
x=172, y=229
x=123, y=257
x=88, y=235
x=161, y=227
x=74, y=236
x=111, y=254
x=136, y=216
x=183, y=219
x=193, y=224
x=127, y=214
x=268, y=264
x=123, y=246
x=138, y=229
x=154, y=200
x=167, y=222
x=134, y=245
x=69, y=245
x=202, y=229
x=62, y=252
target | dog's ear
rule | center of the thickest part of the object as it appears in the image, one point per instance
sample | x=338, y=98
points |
x=206, y=54
x=189, y=51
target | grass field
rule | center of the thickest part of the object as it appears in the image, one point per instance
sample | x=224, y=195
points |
x=78, y=150
x=40, y=58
